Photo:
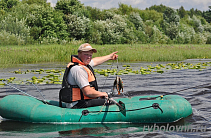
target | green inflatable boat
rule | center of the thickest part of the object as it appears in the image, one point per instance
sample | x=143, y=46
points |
x=138, y=109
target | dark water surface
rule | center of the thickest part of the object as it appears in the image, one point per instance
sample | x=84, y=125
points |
x=170, y=82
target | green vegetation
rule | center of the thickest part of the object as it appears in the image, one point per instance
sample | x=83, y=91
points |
x=12, y=55
x=36, y=22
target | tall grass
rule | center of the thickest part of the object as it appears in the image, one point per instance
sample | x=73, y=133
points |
x=11, y=55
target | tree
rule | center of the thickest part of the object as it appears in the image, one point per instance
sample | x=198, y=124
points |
x=170, y=15
x=150, y=15
x=161, y=8
x=39, y=2
x=207, y=15
x=191, y=13
x=125, y=9
x=68, y=6
x=198, y=12
x=171, y=22
x=182, y=13
x=8, y=4
x=46, y=23
x=94, y=13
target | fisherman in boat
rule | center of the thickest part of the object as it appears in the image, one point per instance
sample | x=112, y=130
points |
x=79, y=86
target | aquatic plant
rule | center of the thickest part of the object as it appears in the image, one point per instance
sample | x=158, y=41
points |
x=54, y=76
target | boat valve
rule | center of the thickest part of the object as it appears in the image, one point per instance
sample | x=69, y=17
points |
x=156, y=106
x=85, y=112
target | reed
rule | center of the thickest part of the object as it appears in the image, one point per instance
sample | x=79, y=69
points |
x=12, y=55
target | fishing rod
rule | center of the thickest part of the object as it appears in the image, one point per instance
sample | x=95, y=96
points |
x=44, y=101
x=121, y=105
x=198, y=86
x=37, y=89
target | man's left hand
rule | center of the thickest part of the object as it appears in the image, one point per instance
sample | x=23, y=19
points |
x=114, y=56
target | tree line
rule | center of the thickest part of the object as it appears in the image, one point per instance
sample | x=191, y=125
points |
x=36, y=22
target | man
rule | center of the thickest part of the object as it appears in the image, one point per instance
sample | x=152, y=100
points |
x=79, y=75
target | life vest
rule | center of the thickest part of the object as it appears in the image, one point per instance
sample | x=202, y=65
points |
x=75, y=93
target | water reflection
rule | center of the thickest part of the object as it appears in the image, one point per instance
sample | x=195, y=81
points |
x=109, y=129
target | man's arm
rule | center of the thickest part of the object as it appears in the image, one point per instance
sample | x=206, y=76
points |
x=100, y=60
x=90, y=92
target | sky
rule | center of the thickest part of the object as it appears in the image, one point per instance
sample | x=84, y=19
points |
x=143, y=4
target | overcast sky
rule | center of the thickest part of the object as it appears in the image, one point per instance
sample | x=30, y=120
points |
x=143, y=4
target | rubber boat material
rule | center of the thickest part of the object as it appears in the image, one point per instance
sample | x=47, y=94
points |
x=138, y=109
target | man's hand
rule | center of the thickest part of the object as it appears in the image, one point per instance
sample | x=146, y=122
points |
x=100, y=60
x=113, y=56
x=105, y=95
x=90, y=92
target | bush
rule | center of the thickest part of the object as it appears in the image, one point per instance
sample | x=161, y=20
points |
x=77, y=27
x=142, y=37
x=158, y=37
x=172, y=30
x=109, y=35
x=12, y=27
x=10, y=39
x=197, y=24
x=185, y=34
x=199, y=38
x=113, y=31
x=209, y=39
x=136, y=20
x=207, y=28
x=96, y=35
x=49, y=40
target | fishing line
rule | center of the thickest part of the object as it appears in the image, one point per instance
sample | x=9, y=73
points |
x=117, y=66
x=108, y=74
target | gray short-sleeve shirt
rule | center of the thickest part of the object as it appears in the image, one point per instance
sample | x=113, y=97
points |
x=78, y=76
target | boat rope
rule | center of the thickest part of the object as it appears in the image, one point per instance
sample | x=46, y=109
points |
x=152, y=98
x=154, y=105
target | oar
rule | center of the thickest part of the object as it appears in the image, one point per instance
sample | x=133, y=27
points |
x=44, y=101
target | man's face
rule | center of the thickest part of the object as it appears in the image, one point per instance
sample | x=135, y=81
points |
x=85, y=56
